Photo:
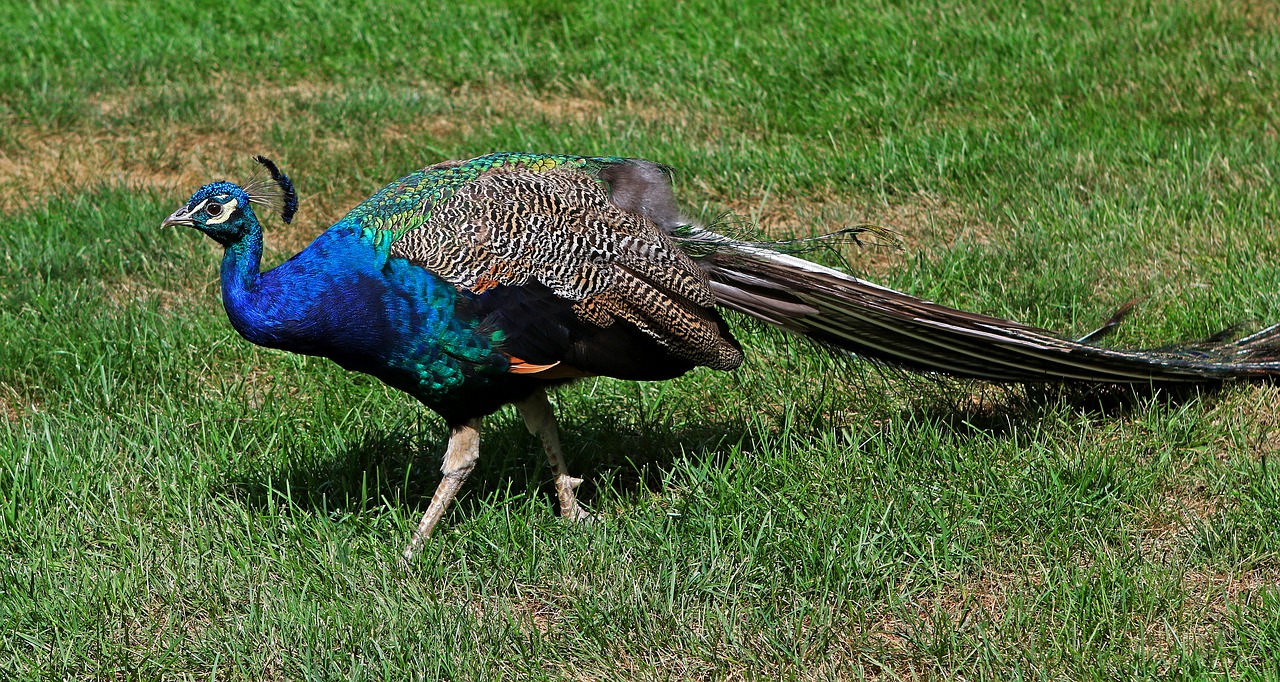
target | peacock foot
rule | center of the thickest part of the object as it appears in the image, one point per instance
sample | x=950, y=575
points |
x=570, y=508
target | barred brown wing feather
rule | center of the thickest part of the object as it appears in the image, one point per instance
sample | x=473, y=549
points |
x=560, y=228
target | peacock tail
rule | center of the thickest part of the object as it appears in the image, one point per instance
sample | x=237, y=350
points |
x=889, y=326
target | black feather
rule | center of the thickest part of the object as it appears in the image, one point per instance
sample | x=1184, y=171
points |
x=286, y=187
x=542, y=328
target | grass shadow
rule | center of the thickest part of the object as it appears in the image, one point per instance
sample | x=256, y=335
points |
x=400, y=466
x=993, y=410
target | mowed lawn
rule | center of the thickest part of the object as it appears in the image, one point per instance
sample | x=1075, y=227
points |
x=178, y=504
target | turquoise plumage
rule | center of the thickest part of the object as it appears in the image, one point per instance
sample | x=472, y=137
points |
x=475, y=284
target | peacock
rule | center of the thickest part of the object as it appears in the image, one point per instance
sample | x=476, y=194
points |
x=475, y=284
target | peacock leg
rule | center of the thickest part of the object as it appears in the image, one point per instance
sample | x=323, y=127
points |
x=541, y=422
x=459, y=460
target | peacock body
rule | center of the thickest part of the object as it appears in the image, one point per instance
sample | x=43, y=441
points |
x=474, y=284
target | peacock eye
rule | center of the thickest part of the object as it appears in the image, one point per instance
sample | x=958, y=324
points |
x=213, y=209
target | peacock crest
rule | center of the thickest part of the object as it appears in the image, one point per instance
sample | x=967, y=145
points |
x=270, y=188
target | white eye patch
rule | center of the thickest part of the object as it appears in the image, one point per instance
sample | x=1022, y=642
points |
x=227, y=209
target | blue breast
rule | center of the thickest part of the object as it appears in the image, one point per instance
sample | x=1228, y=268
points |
x=343, y=298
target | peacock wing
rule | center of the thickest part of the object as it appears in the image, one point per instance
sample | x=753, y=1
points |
x=587, y=231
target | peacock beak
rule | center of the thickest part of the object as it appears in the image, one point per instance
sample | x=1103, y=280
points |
x=179, y=217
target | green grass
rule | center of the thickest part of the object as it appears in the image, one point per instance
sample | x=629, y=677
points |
x=176, y=503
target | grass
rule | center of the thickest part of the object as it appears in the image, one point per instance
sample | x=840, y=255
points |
x=177, y=504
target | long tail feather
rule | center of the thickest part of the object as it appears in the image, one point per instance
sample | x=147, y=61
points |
x=880, y=323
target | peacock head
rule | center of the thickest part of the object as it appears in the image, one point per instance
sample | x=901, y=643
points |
x=224, y=210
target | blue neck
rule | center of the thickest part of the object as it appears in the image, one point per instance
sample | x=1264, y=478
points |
x=240, y=265
x=249, y=307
